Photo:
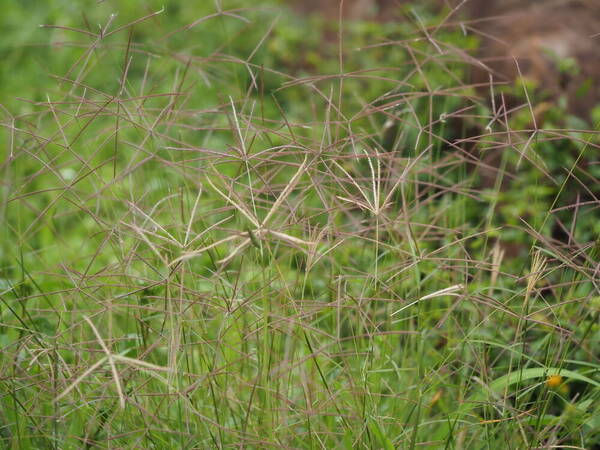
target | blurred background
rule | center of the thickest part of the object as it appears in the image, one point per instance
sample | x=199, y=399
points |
x=555, y=41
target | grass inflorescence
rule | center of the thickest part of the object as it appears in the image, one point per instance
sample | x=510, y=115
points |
x=232, y=227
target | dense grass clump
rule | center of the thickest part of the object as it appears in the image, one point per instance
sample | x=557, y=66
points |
x=231, y=227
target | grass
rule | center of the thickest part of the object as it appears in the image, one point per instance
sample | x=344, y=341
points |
x=227, y=228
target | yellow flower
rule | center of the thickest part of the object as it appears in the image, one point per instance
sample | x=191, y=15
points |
x=554, y=381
